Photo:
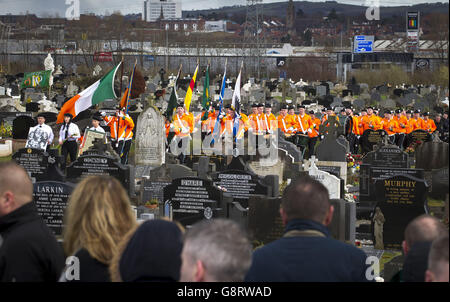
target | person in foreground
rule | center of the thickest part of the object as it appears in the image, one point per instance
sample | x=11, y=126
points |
x=306, y=253
x=98, y=216
x=28, y=249
x=215, y=251
x=438, y=261
x=150, y=253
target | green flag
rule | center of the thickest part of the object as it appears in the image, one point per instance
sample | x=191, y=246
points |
x=172, y=104
x=206, y=98
x=36, y=79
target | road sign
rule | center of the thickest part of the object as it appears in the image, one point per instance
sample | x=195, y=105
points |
x=363, y=44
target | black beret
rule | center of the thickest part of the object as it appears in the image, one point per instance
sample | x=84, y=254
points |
x=417, y=111
x=311, y=112
x=370, y=107
x=291, y=107
x=68, y=114
x=268, y=105
x=260, y=105
x=180, y=105
x=398, y=111
x=284, y=106
x=426, y=114
x=40, y=114
x=97, y=117
x=301, y=106
x=255, y=105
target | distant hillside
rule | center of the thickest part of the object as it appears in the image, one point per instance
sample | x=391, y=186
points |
x=278, y=9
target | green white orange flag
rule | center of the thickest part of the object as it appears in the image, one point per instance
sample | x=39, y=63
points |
x=101, y=90
x=188, y=98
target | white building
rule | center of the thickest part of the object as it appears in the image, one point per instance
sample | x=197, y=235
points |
x=152, y=9
x=212, y=26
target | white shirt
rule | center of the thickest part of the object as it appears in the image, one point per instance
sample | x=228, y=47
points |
x=39, y=137
x=98, y=129
x=72, y=134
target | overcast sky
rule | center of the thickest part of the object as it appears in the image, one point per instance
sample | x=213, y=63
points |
x=41, y=7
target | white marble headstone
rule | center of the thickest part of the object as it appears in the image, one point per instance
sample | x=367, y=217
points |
x=331, y=182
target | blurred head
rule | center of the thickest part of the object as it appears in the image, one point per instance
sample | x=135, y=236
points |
x=268, y=110
x=369, y=111
x=260, y=109
x=151, y=252
x=180, y=110
x=283, y=112
x=95, y=123
x=424, y=228
x=301, y=110
x=445, y=115
x=215, y=251
x=291, y=111
x=16, y=188
x=438, y=261
x=349, y=111
x=41, y=120
x=97, y=217
x=254, y=110
x=438, y=118
x=364, y=113
x=306, y=198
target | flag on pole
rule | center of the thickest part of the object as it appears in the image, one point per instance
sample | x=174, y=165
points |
x=36, y=79
x=206, y=99
x=222, y=93
x=96, y=93
x=188, y=98
x=126, y=96
x=172, y=104
x=236, y=104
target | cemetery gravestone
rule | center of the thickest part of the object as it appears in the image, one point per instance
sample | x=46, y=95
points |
x=51, y=199
x=401, y=198
x=150, y=139
x=34, y=161
x=189, y=200
x=370, y=138
x=264, y=221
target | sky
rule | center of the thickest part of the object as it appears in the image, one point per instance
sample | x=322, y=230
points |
x=50, y=7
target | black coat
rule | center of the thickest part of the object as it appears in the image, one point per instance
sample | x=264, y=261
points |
x=29, y=251
x=307, y=259
x=91, y=270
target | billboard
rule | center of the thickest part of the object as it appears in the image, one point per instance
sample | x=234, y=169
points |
x=412, y=21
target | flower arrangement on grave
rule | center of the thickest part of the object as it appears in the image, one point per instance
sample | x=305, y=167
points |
x=152, y=203
x=413, y=146
x=5, y=130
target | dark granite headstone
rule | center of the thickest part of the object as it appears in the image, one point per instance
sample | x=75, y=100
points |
x=32, y=107
x=97, y=164
x=21, y=126
x=387, y=156
x=370, y=138
x=51, y=199
x=34, y=161
x=369, y=175
x=418, y=136
x=189, y=200
x=240, y=185
x=400, y=198
x=330, y=149
x=439, y=183
x=264, y=221
x=432, y=155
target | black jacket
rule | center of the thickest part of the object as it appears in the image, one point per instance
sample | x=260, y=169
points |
x=91, y=270
x=28, y=249
x=307, y=259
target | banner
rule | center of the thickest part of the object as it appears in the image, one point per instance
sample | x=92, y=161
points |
x=36, y=79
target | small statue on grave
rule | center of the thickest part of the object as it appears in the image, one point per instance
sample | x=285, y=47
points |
x=379, y=221
x=97, y=70
x=48, y=63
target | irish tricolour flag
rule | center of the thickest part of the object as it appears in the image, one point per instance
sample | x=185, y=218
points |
x=101, y=90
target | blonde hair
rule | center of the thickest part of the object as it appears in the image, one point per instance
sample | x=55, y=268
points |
x=97, y=217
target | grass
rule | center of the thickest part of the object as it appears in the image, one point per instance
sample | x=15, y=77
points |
x=6, y=158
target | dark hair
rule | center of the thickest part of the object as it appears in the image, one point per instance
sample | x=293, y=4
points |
x=423, y=228
x=306, y=198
